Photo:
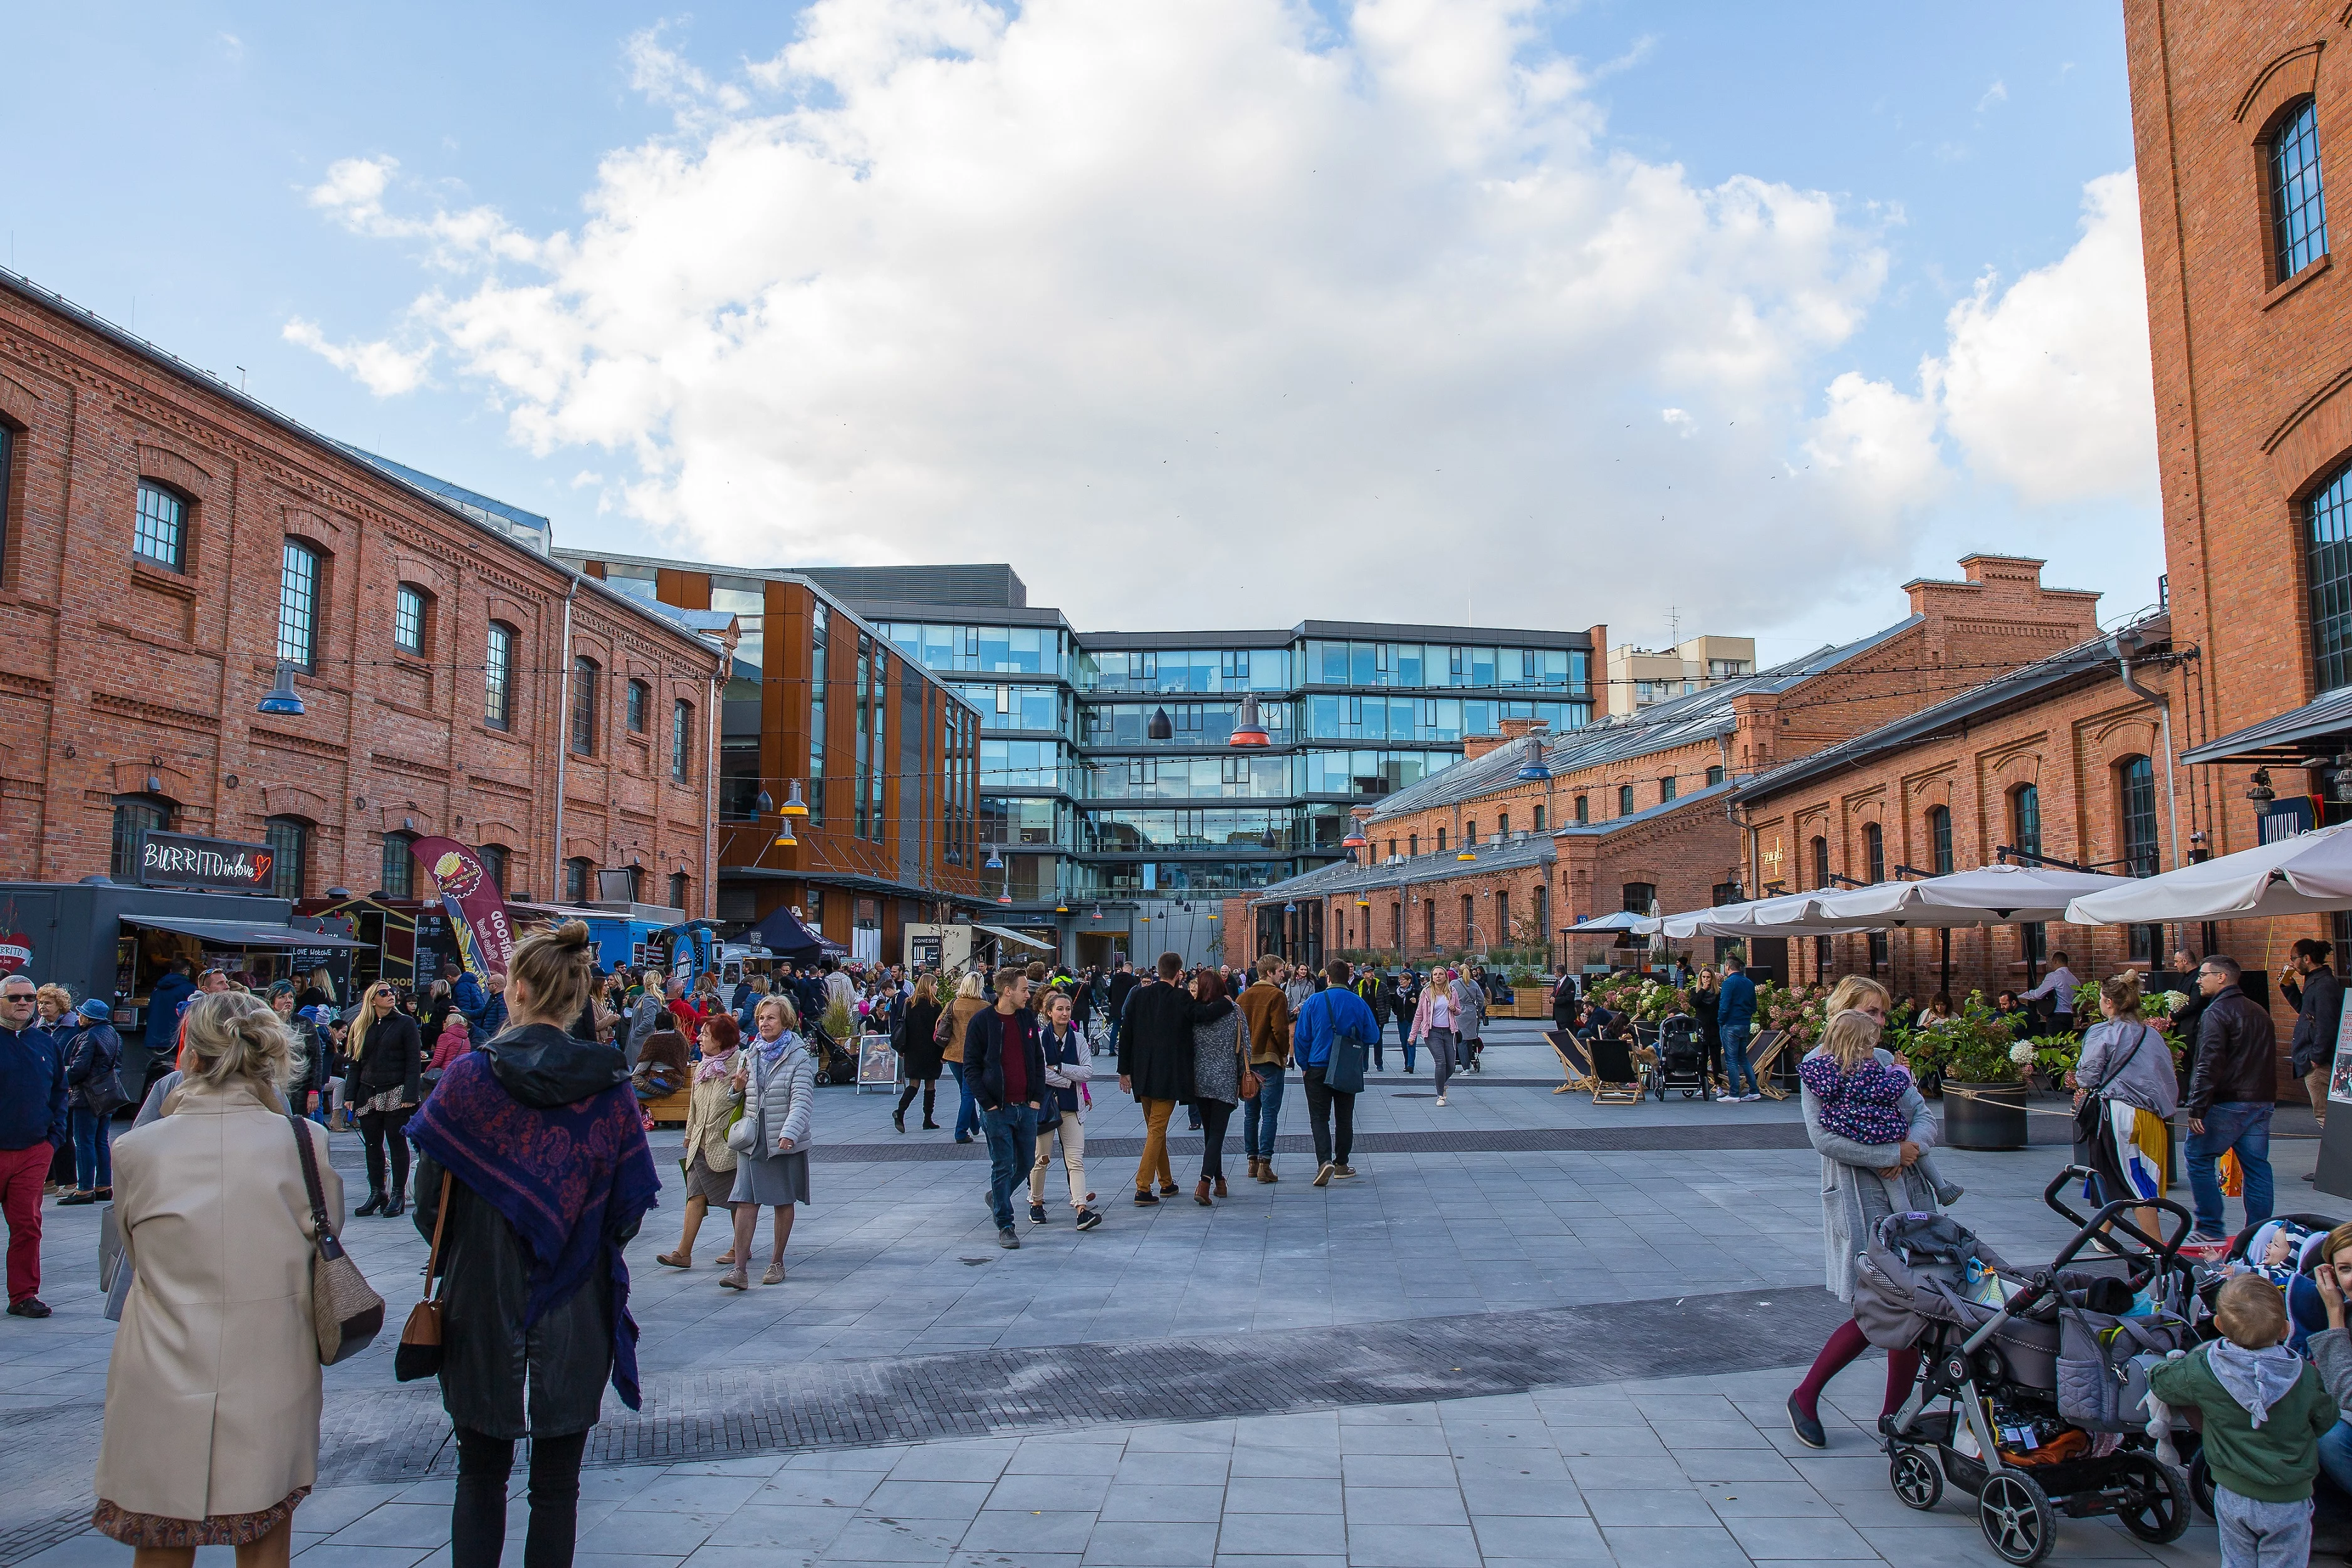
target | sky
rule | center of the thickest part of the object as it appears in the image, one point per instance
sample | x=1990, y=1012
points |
x=1669, y=316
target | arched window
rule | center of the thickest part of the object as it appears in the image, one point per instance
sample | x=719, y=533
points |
x=1638, y=897
x=1665, y=789
x=135, y=816
x=1820, y=861
x=7, y=472
x=1583, y=808
x=1715, y=775
x=575, y=880
x=2327, y=543
x=1873, y=851
x=493, y=858
x=498, y=676
x=2025, y=818
x=399, y=875
x=289, y=839
x=1625, y=800
x=640, y=698
x=159, y=534
x=2136, y=801
x=409, y=604
x=677, y=890
x=298, y=605
x=1939, y=840
x=2298, y=207
x=583, y=706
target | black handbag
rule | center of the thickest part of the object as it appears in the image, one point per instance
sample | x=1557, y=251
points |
x=2090, y=1114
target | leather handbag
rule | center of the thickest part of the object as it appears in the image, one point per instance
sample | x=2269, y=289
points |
x=747, y=1134
x=346, y=1314
x=419, y=1354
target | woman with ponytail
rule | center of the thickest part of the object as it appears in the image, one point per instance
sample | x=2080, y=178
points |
x=537, y=1145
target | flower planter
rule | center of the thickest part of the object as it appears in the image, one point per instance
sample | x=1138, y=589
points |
x=1984, y=1115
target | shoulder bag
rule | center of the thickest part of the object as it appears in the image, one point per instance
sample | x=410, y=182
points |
x=1343, y=1071
x=2089, y=1115
x=940, y=1030
x=1250, y=1082
x=748, y=1134
x=419, y=1354
x=346, y=1314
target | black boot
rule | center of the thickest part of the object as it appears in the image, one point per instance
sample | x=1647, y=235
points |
x=375, y=1203
x=395, y=1205
x=898, y=1119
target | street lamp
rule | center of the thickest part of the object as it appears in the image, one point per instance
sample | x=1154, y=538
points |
x=784, y=839
x=1249, y=732
x=283, y=698
x=794, y=805
x=994, y=862
x=764, y=804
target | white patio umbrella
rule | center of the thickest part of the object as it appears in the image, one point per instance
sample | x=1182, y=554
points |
x=1989, y=895
x=1612, y=924
x=1790, y=914
x=2310, y=873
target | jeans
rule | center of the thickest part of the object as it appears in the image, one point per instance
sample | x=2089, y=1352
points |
x=1332, y=1117
x=93, y=1137
x=477, y=1521
x=1380, y=1038
x=1261, y=1115
x=2244, y=1126
x=968, y=1112
x=1154, y=1162
x=1734, y=1059
x=1011, y=1143
x=1441, y=1056
x=2336, y=1455
x=2256, y=1535
x=1405, y=1029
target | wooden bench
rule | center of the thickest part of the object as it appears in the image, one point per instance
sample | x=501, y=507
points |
x=671, y=1113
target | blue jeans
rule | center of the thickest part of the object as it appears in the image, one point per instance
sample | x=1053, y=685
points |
x=967, y=1120
x=2244, y=1126
x=1734, y=1059
x=1012, y=1145
x=1263, y=1114
x=93, y=1137
x=2336, y=1455
x=1405, y=1033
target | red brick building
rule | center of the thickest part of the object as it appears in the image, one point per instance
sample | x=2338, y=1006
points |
x=166, y=543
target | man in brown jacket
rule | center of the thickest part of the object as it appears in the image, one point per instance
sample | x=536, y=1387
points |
x=1267, y=1011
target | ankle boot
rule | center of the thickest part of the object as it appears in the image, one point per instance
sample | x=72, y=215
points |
x=375, y=1203
x=1200, y=1194
x=395, y=1205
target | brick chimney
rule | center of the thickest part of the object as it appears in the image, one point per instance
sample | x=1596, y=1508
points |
x=2001, y=613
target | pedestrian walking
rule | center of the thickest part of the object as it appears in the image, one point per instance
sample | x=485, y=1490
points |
x=1155, y=1065
x=968, y=1003
x=920, y=1054
x=1265, y=1011
x=1408, y=1008
x=1736, y=1008
x=93, y=1076
x=1005, y=1068
x=708, y=1163
x=777, y=1079
x=648, y=1014
x=1862, y=1184
x=533, y=1152
x=2312, y=989
x=211, y=1431
x=1330, y=1014
x=2126, y=1068
x=1471, y=999
x=1706, y=996
x=1434, y=1023
x=1221, y=1047
x=389, y=1069
x=34, y=1126
x=1068, y=1066
x=1115, y=994
x=2230, y=1092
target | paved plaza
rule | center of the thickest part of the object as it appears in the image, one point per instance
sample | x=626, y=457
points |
x=1531, y=1331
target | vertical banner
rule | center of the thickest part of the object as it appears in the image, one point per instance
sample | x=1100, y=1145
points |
x=477, y=913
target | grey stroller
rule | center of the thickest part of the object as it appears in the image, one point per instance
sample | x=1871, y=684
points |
x=2032, y=1384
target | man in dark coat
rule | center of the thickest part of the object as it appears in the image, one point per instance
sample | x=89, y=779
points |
x=1115, y=994
x=2230, y=1095
x=1155, y=1065
x=2312, y=989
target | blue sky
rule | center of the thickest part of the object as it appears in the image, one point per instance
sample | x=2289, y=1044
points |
x=1947, y=143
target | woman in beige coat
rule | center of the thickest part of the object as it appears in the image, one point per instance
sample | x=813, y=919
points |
x=212, y=1397
x=706, y=1160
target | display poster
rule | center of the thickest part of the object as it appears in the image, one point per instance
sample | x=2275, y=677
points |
x=478, y=913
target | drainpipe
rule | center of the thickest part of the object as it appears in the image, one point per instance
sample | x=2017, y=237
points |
x=711, y=712
x=563, y=743
x=2126, y=643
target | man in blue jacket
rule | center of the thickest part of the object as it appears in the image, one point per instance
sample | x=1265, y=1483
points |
x=32, y=1129
x=1332, y=1012
x=93, y=1065
x=1734, y=1016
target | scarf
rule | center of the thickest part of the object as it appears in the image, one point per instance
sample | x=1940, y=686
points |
x=714, y=1067
x=569, y=1178
x=771, y=1054
x=2255, y=1379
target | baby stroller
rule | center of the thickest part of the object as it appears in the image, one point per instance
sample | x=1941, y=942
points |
x=2041, y=1376
x=1681, y=1060
x=835, y=1062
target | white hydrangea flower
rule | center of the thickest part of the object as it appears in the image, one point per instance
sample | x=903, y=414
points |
x=2021, y=1052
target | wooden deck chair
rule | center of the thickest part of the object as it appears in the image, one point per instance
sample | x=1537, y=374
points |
x=1763, y=1053
x=1575, y=1060
x=1615, y=1080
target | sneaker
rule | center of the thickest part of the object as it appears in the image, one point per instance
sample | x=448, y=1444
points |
x=1343, y=1171
x=28, y=1307
x=1088, y=1219
x=1036, y=1214
x=1008, y=1240
x=1441, y=1100
x=1323, y=1176
x=1746, y=1099
x=1144, y=1200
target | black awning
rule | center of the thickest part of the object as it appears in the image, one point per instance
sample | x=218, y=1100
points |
x=2309, y=735
x=240, y=933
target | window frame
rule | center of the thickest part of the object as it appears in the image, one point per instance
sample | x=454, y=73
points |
x=301, y=649
x=636, y=706
x=498, y=676
x=289, y=839
x=496, y=860
x=9, y=436
x=681, y=740
x=123, y=856
x=404, y=597
x=579, y=876
x=2294, y=190
x=1873, y=851
x=582, y=724
x=2136, y=804
x=182, y=521
x=1939, y=840
x=396, y=865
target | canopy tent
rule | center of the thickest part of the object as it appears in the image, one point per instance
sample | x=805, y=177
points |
x=1989, y=895
x=2310, y=873
x=1013, y=937
x=782, y=934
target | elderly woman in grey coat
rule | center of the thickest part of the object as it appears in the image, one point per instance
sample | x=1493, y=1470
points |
x=1862, y=1184
x=777, y=1080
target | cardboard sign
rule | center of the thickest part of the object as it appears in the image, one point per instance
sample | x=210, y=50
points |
x=185, y=860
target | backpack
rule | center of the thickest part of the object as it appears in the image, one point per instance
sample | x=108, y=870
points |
x=101, y=1092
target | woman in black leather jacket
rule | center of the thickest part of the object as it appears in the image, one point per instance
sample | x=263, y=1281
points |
x=387, y=1076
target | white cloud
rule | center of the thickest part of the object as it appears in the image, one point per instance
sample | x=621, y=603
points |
x=381, y=368
x=1996, y=93
x=1128, y=296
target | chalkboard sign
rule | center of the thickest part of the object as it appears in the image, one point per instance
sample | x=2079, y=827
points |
x=185, y=860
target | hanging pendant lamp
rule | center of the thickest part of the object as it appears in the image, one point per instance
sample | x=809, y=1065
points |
x=1248, y=732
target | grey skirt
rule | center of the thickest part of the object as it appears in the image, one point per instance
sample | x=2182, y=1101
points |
x=776, y=1181
x=711, y=1186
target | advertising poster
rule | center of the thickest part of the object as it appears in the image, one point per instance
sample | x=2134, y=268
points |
x=478, y=925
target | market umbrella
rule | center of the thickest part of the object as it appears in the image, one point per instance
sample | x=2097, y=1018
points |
x=2310, y=873
x=1611, y=925
x=1790, y=914
x=1989, y=895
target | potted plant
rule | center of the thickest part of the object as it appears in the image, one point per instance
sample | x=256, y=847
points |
x=1983, y=1067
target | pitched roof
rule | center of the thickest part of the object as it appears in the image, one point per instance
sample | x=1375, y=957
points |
x=1345, y=877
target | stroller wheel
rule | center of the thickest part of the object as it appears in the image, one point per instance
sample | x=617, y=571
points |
x=2155, y=1505
x=2016, y=1518
x=2200, y=1483
x=1917, y=1479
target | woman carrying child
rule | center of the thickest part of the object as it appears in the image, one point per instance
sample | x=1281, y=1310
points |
x=1862, y=1184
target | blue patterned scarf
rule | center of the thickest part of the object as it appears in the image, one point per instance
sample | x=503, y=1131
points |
x=571, y=1179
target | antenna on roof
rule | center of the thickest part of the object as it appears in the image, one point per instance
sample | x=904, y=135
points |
x=1674, y=626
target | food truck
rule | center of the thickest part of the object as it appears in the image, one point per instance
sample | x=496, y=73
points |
x=113, y=940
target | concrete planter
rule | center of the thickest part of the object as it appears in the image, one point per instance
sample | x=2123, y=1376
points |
x=1984, y=1115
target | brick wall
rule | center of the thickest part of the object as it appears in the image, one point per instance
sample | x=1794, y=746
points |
x=127, y=678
